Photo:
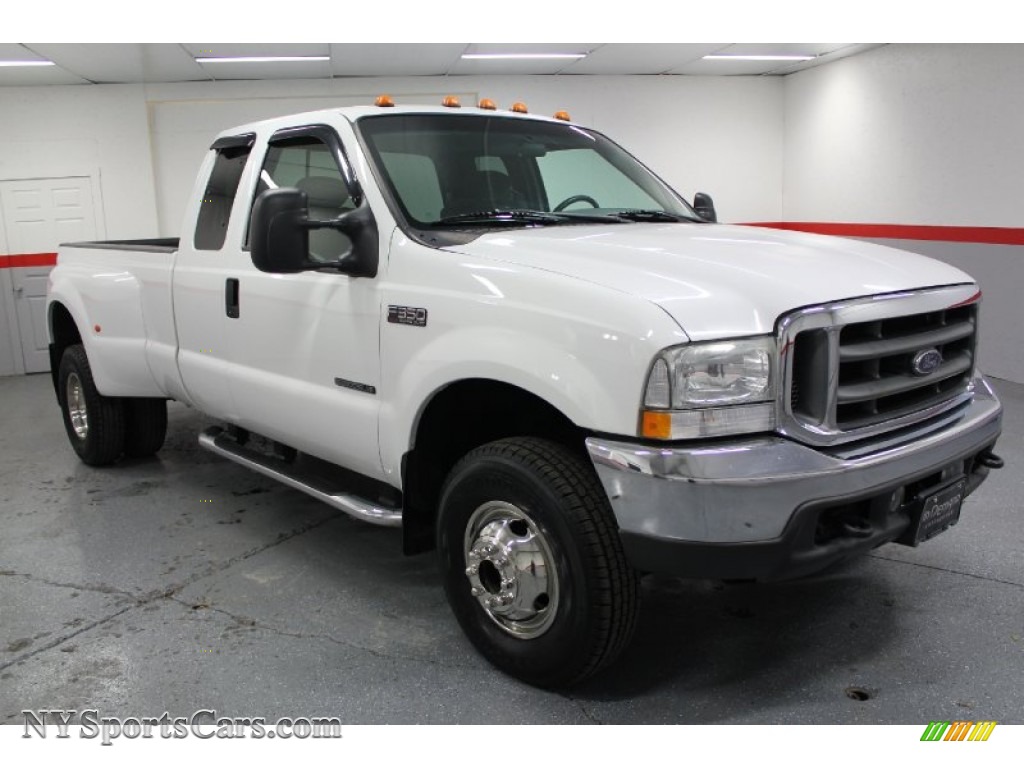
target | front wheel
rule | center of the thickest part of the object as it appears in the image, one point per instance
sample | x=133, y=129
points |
x=532, y=563
x=94, y=423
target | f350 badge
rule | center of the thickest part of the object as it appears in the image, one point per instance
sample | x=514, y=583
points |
x=407, y=315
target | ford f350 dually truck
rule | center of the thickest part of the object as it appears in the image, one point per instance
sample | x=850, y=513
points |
x=507, y=336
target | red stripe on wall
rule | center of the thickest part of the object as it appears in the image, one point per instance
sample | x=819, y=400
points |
x=28, y=260
x=980, y=235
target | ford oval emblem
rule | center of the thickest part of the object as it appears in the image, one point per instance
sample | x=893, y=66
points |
x=926, y=361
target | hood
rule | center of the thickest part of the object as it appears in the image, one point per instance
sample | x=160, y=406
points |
x=719, y=280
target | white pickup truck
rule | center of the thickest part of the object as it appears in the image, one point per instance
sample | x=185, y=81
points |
x=506, y=335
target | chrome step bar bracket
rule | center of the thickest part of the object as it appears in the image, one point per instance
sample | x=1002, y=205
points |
x=217, y=441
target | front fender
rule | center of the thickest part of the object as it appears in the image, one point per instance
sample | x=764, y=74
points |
x=583, y=348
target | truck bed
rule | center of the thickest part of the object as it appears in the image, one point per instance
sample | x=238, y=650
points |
x=119, y=295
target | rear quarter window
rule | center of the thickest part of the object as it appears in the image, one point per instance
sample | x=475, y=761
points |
x=215, y=208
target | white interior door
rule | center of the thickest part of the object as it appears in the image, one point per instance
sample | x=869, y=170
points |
x=39, y=215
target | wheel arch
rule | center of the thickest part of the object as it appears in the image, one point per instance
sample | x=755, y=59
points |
x=456, y=419
x=64, y=333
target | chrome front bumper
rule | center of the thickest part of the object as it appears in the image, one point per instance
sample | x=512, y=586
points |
x=748, y=491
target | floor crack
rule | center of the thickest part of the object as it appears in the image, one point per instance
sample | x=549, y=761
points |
x=102, y=588
x=948, y=570
x=591, y=717
x=247, y=620
x=64, y=638
x=142, y=600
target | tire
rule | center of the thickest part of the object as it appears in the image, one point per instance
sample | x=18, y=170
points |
x=145, y=426
x=94, y=423
x=526, y=521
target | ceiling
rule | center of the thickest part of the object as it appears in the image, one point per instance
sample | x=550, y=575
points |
x=83, y=63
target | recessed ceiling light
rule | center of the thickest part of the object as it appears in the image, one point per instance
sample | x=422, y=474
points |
x=33, y=63
x=756, y=57
x=256, y=59
x=524, y=55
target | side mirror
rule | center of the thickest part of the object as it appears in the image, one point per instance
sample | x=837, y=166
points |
x=279, y=235
x=278, y=238
x=705, y=207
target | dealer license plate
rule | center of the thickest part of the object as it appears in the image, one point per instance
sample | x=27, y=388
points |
x=938, y=512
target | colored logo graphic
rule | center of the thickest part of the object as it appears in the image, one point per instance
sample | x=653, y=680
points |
x=959, y=730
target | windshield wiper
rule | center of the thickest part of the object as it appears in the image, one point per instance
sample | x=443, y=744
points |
x=518, y=217
x=499, y=216
x=600, y=218
x=642, y=214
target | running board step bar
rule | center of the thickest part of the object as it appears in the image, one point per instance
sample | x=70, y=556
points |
x=217, y=440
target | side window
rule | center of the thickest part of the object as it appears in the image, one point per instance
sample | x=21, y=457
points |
x=308, y=164
x=215, y=209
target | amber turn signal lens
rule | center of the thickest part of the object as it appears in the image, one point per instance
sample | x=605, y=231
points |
x=384, y=101
x=450, y=101
x=519, y=107
x=487, y=104
x=656, y=425
x=562, y=115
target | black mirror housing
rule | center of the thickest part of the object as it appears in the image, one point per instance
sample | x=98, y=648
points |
x=279, y=239
x=705, y=207
x=279, y=235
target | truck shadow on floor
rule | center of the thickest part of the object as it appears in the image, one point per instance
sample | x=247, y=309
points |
x=752, y=642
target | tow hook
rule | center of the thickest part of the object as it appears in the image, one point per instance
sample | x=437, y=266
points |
x=856, y=528
x=991, y=461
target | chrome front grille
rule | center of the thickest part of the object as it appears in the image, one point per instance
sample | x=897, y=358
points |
x=855, y=369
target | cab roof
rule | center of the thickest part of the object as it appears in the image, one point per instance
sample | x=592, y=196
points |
x=354, y=113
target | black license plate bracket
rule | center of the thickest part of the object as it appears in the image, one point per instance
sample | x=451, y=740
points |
x=938, y=512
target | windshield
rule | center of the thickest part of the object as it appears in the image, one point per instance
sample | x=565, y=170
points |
x=470, y=170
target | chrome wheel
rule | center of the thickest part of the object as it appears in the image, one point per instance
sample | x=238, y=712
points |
x=77, y=411
x=511, y=570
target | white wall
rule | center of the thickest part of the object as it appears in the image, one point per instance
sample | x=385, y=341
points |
x=908, y=134
x=84, y=131
x=719, y=135
x=920, y=134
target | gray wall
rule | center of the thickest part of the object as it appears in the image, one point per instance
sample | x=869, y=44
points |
x=998, y=270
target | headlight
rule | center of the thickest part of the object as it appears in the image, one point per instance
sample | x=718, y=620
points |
x=711, y=389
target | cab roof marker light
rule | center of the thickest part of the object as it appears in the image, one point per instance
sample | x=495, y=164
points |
x=384, y=100
x=487, y=104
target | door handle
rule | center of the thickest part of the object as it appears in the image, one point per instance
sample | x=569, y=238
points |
x=231, y=297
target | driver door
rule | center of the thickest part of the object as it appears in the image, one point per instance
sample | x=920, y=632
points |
x=306, y=346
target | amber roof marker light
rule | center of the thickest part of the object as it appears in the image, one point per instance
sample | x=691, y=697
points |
x=451, y=101
x=487, y=104
x=520, y=107
x=384, y=100
x=562, y=115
